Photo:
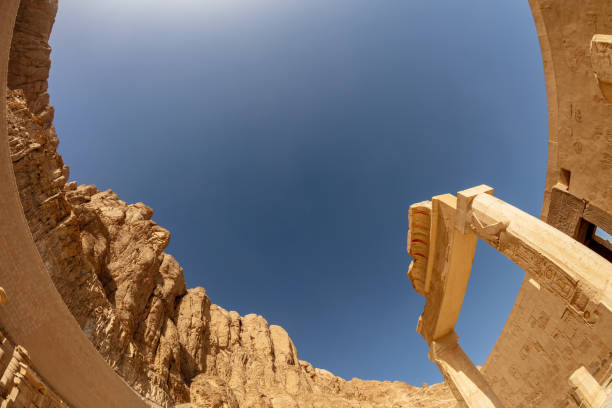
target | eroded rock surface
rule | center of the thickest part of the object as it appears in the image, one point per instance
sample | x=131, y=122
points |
x=107, y=260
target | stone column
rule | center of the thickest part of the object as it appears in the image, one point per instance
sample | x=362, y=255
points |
x=466, y=381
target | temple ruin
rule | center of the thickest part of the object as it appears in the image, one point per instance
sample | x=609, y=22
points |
x=554, y=351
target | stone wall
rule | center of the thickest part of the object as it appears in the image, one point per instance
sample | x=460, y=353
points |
x=580, y=117
x=542, y=344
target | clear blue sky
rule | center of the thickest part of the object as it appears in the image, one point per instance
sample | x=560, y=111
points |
x=282, y=142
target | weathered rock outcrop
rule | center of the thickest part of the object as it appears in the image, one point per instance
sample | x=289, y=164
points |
x=30, y=54
x=107, y=260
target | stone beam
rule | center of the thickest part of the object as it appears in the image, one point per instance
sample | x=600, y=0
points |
x=449, y=264
x=578, y=275
x=464, y=200
x=466, y=381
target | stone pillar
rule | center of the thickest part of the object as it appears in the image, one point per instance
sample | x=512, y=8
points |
x=466, y=381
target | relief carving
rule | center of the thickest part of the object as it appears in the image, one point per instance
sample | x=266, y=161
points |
x=546, y=272
x=490, y=232
x=419, y=219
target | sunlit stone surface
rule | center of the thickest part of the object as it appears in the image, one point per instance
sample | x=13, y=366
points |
x=96, y=314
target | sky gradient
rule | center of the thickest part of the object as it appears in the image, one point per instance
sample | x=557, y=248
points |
x=282, y=142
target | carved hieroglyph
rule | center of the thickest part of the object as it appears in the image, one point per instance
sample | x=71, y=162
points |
x=574, y=39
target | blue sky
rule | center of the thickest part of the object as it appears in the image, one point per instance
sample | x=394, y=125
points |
x=283, y=141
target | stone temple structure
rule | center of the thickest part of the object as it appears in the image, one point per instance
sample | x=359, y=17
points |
x=94, y=313
x=556, y=347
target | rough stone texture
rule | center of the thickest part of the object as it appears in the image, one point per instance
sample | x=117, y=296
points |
x=211, y=392
x=30, y=51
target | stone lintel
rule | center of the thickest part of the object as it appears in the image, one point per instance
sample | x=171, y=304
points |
x=575, y=273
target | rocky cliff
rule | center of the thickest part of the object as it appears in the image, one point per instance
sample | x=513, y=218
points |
x=107, y=259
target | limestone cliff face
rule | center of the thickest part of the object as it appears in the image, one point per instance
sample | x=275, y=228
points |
x=107, y=259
